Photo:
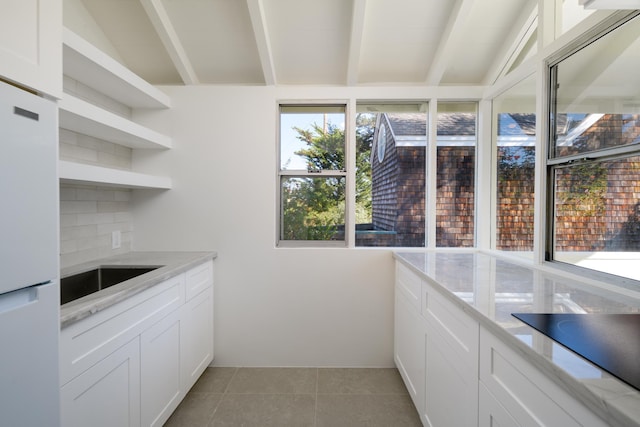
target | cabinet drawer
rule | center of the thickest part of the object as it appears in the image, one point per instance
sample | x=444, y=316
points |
x=526, y=394
x=85, y=343
x=409, y=284
x=456, y=330
x=199, y=278
x=107, y=394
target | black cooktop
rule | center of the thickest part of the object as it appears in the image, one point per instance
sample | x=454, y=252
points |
x=610, y=341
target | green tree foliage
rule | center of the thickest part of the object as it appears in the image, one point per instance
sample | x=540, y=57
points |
x=314, y=207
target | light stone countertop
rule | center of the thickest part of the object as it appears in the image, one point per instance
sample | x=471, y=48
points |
x=489, y=288
x=172, y=264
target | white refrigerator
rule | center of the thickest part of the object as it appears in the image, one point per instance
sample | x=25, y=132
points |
x=29, y=279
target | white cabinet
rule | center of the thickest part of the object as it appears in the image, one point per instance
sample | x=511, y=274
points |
x=132, y=363
x=459, y=373
x=30, y=37
x=197, y=339
x=524, y=393
x=102, y=82
x=106, y=395
x=409, y=334
x=491, y=412
x=197, y=325
x=436, y=352
x=451, y=362
x=160, y=370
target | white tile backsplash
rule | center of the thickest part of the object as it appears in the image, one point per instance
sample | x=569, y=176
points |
x=88, y=216
x=84, y=92
x=86, y=149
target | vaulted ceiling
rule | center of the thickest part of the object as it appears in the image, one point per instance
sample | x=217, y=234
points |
x=317, y=42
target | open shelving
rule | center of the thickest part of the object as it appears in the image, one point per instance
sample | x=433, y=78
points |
x=91, y=67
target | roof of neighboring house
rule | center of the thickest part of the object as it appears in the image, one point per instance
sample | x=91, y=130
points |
x=460, y=124
x=415, y=124
x=408, y=123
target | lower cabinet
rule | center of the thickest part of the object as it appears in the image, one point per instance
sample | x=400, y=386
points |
x=106, y=395
x=524, y=394
x=133, y=363
x=160, y=353
x=196, y=342
x=459, y=373
x=491, y=412
x=409, y=346
x=451, y=363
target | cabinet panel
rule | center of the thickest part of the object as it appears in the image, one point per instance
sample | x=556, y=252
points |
x=528, y=395
x=409, y=284
x=197, y=337
x=30, y=39
x=451, y=365
x=198, y=279
x=85, y=343
x=491, y=413
x=160, y=365
x=106, y=395
x=409, y=336
x=457, y=330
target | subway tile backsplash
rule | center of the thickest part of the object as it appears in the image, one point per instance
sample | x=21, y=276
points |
x=81, y=148
x=88, y=216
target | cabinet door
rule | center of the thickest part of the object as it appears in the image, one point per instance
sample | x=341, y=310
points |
x=491, y=413
x=409, y=347
x=160, y=370
x=107, y=394
x=451, y=367
x=30, y=44
x=197, y=337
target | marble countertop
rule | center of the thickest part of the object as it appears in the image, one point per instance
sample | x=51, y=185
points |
x=490, y=288
x=172, y=264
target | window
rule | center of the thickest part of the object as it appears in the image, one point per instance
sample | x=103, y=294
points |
x=455, y=175
x=312, y=174
x=391, y=142
x=514, y=133
x=593, y=167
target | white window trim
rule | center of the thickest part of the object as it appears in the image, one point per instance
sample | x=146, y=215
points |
x=279, y=173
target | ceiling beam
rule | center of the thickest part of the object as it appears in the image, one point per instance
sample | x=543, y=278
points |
x=522, y=30
x=451, y=38
x=355, y=42
x=162, y=24
x=261, y=35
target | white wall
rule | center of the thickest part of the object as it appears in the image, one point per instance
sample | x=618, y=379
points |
x=274, y=307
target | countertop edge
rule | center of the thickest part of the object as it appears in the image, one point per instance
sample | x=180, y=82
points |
x=172, y=264
x=598, y=403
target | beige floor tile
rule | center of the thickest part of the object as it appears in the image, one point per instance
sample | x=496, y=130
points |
x=366, y=410
x=360, y=381
x=274, y=380
x=214, y=380
x=195, y=410
x=265, y=410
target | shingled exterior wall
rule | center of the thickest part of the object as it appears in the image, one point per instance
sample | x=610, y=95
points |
x=398, y=187
x=515, y=199
x=586, y=194
x=455, y=200
x=612, y=187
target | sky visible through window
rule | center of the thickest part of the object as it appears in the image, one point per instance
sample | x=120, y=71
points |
x=289, y=136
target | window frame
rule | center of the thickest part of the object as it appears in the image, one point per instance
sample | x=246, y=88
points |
x=309, y=173
x=552, y=162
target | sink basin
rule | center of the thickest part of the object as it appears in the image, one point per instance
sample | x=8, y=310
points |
x=82, y=284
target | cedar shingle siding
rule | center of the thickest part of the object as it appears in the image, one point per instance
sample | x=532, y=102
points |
x=399, y=187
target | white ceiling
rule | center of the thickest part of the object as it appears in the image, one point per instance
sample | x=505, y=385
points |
x=316, y=42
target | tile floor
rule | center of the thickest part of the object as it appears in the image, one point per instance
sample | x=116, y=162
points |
x=314, y=397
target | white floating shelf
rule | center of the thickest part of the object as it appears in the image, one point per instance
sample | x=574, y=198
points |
x=83, y=117
x=89, y=65
x=79, y=173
